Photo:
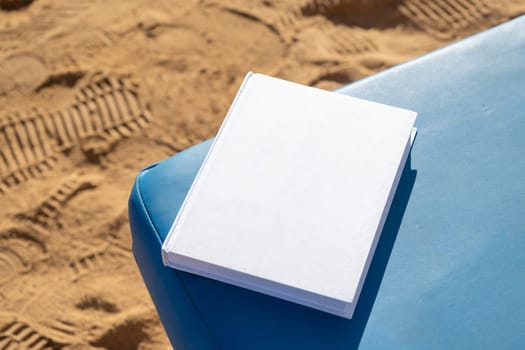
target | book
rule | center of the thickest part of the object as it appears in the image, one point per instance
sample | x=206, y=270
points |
x=291, y=198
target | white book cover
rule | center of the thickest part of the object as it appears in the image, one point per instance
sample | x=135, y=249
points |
x=293, y=194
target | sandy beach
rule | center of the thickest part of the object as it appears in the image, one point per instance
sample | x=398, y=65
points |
x=93, y=91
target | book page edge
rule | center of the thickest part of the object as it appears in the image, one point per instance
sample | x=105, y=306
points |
x=236, y=278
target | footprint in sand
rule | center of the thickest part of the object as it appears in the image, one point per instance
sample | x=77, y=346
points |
x=102, y=113
x=47, y=212
x=443, y=18
x=98, y=259
x=20, y=249
x=446, y=18
x=21, y=334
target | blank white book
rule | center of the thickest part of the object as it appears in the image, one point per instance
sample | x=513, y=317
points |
x=293, y=194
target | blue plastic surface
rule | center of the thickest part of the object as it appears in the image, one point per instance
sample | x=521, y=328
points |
x=449, y=269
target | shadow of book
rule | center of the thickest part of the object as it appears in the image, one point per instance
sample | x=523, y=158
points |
x=382, y=254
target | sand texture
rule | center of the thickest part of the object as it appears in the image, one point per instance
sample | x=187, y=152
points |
x=92, y=91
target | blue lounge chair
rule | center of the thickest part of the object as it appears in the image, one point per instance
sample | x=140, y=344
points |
x=449, y=269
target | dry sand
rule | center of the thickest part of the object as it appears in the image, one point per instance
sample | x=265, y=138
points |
x=91, y=92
